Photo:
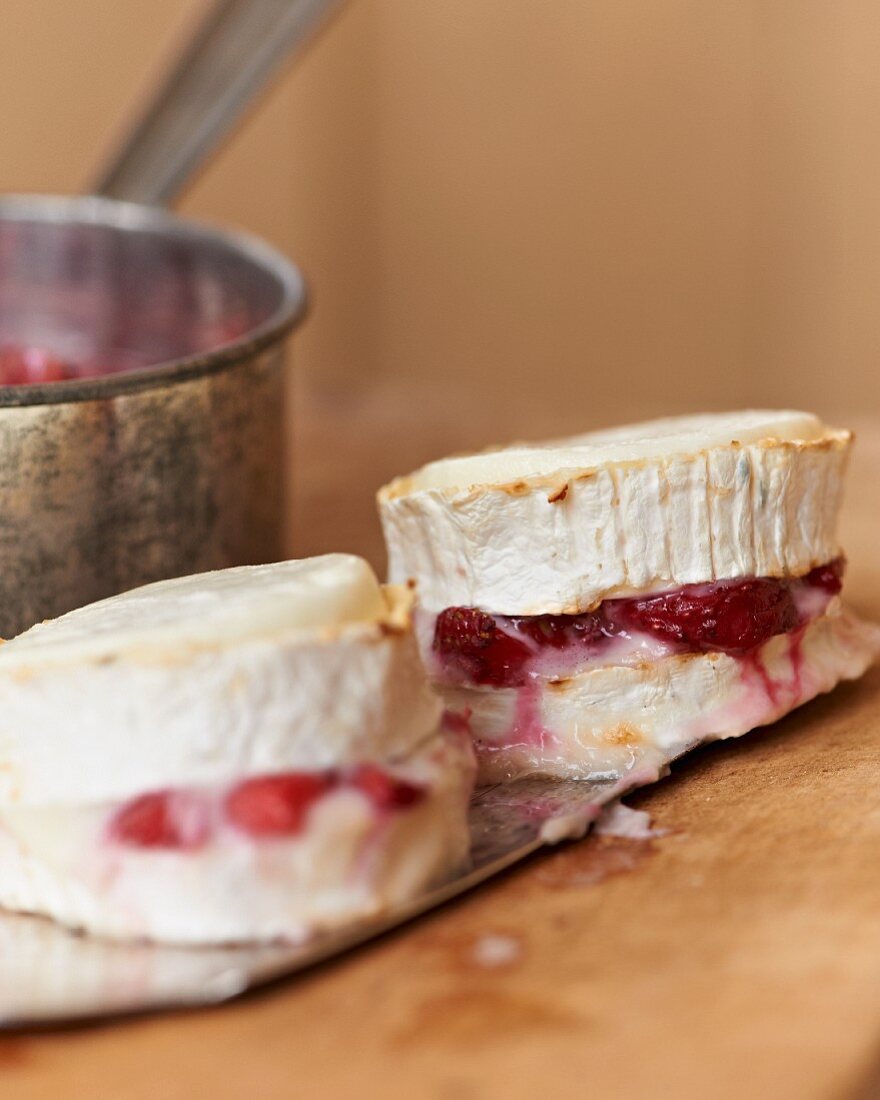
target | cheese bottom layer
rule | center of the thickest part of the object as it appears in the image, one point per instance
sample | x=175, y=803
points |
x=604, y=722
x=351, y=861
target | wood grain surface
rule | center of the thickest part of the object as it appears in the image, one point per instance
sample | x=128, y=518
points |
x=736, y=956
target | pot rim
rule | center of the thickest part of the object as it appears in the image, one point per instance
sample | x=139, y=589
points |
x=114, y=214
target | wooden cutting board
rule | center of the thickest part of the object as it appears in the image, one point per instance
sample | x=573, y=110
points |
x=736, y=956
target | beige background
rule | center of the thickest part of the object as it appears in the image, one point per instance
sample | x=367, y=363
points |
x=575, y=211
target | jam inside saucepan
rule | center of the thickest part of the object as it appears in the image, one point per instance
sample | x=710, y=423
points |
x=88, y=300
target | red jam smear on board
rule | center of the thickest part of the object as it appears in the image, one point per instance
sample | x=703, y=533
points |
x=733, y=617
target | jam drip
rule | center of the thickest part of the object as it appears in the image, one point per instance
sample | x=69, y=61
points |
x=733, y=617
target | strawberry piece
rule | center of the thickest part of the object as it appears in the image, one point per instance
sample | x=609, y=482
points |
x=384, y=791
x=275, y=805
x=828, y=577
x=161, y=819
x=480, y=648
x=729, y=617
x=473, y=647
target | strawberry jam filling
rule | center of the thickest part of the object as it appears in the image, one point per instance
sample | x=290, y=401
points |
x=20, y=366
x=733, y=617
x=262, y=807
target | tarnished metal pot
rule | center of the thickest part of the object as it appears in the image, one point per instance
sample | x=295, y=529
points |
x=173, y=464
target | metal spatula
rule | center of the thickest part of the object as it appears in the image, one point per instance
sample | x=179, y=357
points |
x=50, y=975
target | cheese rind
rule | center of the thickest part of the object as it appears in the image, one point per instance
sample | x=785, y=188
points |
x=306, y=597
x=722, y=498
x=107, y=720
x=104, y=731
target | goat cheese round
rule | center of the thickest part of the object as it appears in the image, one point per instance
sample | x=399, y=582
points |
x=555, y=528
x=249, y=754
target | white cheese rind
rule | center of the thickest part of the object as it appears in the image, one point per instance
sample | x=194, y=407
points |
x=351, y=862
x=215, y=610
x=92, y=730
x=607, y=721
x=293, y=666
x=560, y=543
x=678, y=435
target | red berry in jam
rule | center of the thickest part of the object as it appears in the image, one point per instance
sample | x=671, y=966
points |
x=729, y=617
x=828, y=577
x=161, y=819
x=560, y=631
x=26, y=365
x=473, y=647
x=384, y=791
x=275, y=805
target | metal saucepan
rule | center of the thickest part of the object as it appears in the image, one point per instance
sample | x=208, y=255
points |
x=174, y=463
x=164, y=455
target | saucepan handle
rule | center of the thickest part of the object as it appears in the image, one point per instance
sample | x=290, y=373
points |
x=235, y=49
